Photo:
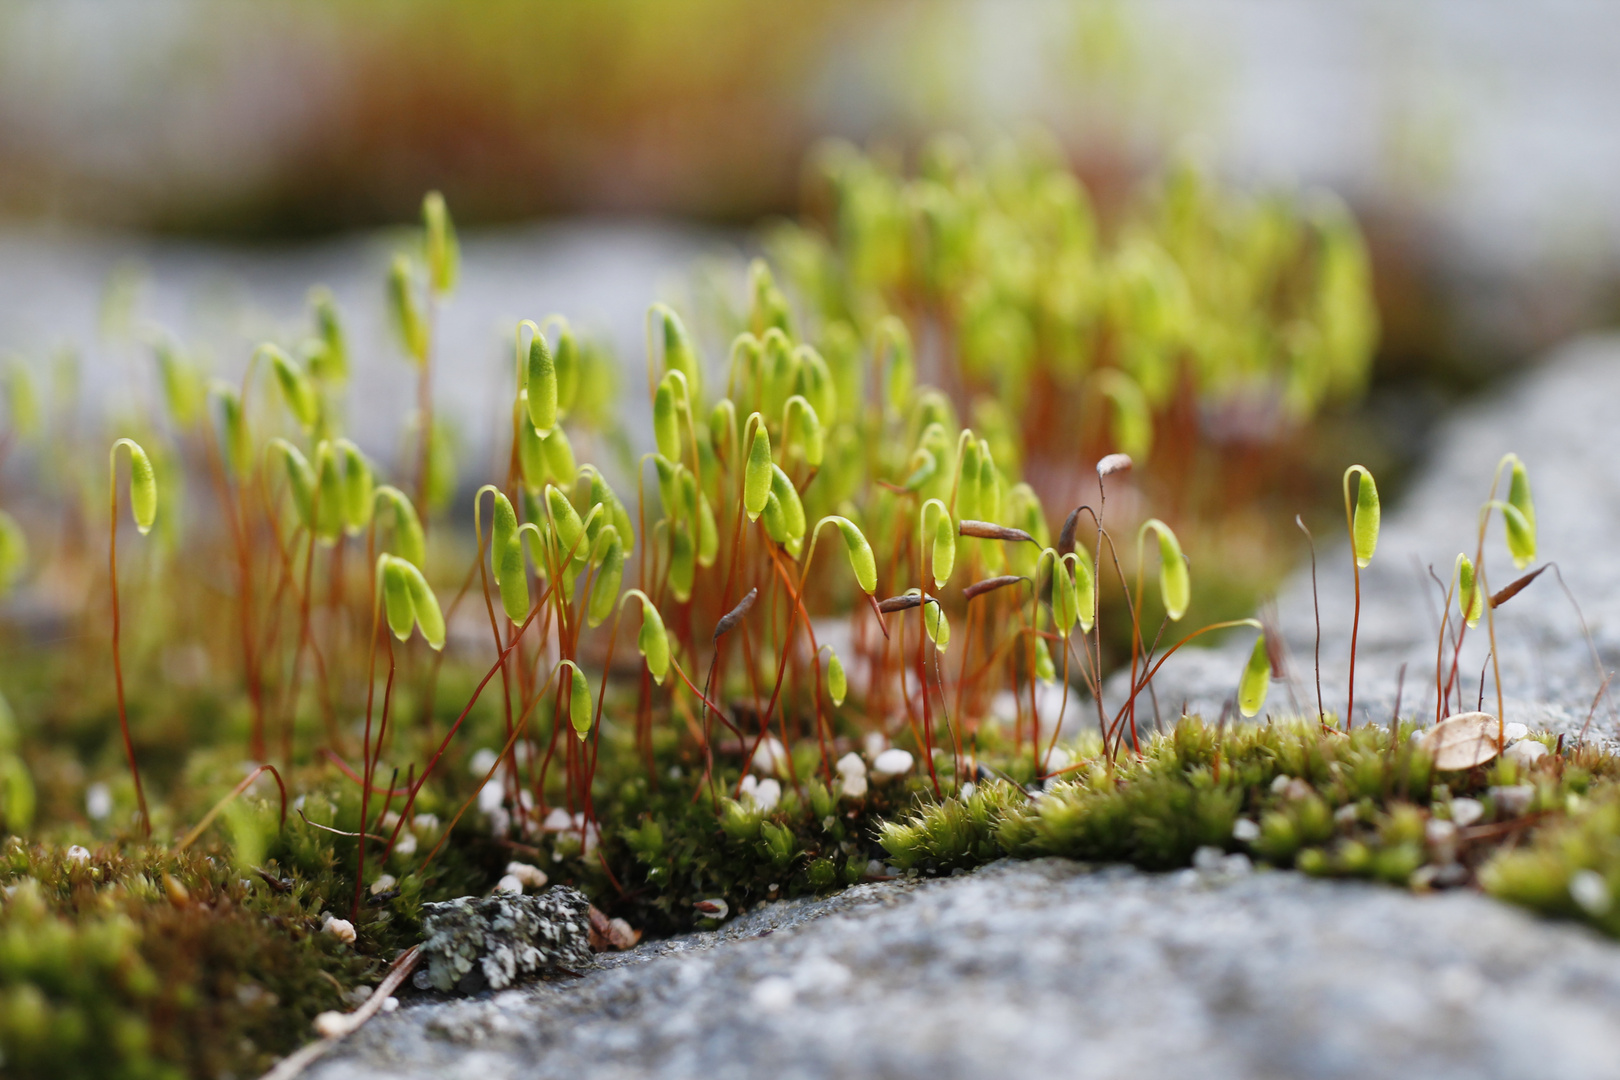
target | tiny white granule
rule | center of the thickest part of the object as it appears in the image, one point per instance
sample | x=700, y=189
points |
x=98, y=801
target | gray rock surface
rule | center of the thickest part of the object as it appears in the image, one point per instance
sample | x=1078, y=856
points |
x=1053, y=969
x=1559, y=418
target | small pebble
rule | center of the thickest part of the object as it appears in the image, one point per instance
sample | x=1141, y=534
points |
x=853, y=787
x=769, y=757
x=874, y=743
x=1515, y=800
x=1464, y=812
x=1209, y=859
x=1515, y=731
x=1442, y=838
x=1526, y=752
x=1346, y=814
x=892, y=762
x=482, y=761
x=390, y=1003
x=428, y=823
x=98, y=802
x=509, y=884
x=342, y=929
x=531, y=876
x=851, y=764
x=558, y=820
x=764, y=794
x=405, y=846
x=383, y=884
x=78, y=854
x=329, y=1025
x=1245, y=831
x=1589, y=889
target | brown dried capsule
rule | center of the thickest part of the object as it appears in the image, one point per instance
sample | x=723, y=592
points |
x=900, y=603
x=1065, y=542
x=979, y=588
x=1112, y=464
x=728, y=622
x=1514, y=588
x=986, y=530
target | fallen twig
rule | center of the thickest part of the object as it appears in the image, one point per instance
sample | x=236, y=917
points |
x=335, y=1026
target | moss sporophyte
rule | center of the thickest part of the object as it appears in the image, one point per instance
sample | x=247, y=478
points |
x=337, y=705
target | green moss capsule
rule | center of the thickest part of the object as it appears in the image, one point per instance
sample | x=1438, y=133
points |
x=837, y=682
x=409, y=541
x=442, y=250
x=1065, y=603
x=512, y=578
x=359, y=488
x=300, y=396
x=607, y=555
x=666, y=419
x=568, y=361
x=541, y=386
x=1175, y=585
x=653, y=639
x=558, y=454
x=236, y=446
x=891, y=350
x=1045, y=670
x=967, y=479
x=816, y=384
x=723, y=429
x=1132, y=415
x=679, y=352
x=182, y=388
x=774, y=520
x=565, y=521
x=580, y=717
x=1364, y=519
x=425, y=605
x=396, y=593
x=861, y=559
x=989, y=483
x=936, y=624
x=300, y=479
x=1521, y=536
x=403, y=312
x=13, y=552
x=792, y=508
x=1256, y=679
x=1470, y=599
x=708, y=548
x=682, y=561
x=1078, y=563
x=802, y=428
x=757, y=476
x=334, y=354
x=329, y=496
x=939, y=531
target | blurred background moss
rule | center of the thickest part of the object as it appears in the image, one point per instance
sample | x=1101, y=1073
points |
x=1474, y=144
